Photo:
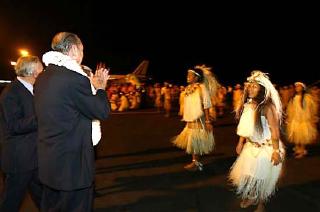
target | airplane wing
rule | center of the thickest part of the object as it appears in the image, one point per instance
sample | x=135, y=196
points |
x=116, y=76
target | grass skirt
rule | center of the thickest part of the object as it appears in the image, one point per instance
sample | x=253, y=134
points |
x=253, y=173
x=301, y=132
x=196, y=141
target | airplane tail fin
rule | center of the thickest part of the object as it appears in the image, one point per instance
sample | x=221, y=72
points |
x=141, y=70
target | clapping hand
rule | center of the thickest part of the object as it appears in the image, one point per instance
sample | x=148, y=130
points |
x=100, y=78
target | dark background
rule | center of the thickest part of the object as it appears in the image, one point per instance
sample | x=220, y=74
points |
x=234, y=39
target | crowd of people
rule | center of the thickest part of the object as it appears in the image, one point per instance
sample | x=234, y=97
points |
x=169, y=97
x=50, y=122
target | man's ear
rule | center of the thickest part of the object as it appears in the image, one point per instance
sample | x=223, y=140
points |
x=73, y=53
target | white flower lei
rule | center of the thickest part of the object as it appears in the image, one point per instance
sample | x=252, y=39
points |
x=59, y=59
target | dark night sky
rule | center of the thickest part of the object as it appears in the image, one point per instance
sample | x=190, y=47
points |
x=277, y=39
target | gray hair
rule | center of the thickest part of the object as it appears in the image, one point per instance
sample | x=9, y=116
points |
x=63, y=41
x=26, y=65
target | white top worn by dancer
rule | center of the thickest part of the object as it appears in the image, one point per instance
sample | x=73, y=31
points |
x=194, y=102
x=246, y=126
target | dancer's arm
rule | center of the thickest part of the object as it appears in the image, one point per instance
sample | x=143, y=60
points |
x=240, y=144
x=208, y=123
x=273, y=122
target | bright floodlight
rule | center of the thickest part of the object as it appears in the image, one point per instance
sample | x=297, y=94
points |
x=13, y=63
x=24, y=52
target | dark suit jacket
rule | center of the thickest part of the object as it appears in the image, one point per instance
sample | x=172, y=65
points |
x=65, y=108
x=18, y=129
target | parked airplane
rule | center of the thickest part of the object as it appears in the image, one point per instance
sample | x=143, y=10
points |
x=136, y=77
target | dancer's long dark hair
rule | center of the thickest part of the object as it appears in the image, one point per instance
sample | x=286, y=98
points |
x=302, y=98
x=262, y=104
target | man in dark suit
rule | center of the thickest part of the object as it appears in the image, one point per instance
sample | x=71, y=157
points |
x=66, y=104
x=19, y=136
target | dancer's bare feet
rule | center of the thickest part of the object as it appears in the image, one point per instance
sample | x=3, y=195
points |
x=246, y=203
x=194, y=166
x=260, y=208
x=301, y=154
x=190, y=165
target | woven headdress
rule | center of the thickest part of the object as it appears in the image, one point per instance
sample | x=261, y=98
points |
x=270, y=91
x=208, y=79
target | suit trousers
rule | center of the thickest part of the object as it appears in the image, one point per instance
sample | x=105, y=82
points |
x=67, y=201
x=16, y=187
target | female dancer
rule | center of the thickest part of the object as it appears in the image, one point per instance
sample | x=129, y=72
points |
x=258, y=166
x=197, y=136
x=301, y=120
